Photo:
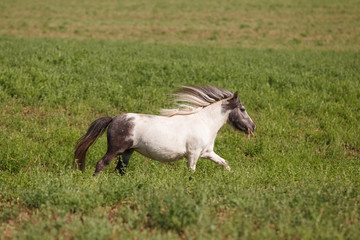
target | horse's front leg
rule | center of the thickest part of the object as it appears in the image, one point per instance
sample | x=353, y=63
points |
x=192, y=158
x=216, y=158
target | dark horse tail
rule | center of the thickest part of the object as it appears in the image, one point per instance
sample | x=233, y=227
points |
x=96, y=129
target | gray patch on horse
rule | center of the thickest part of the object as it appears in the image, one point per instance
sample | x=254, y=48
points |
x=119, y=140
x=240, y=122
x=120, y=133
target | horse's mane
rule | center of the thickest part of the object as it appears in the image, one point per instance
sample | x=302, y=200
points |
x=191, y=98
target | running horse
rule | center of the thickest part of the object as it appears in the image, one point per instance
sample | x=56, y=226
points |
x=187, y=131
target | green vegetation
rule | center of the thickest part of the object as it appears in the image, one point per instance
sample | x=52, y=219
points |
x=292, y=24
x=299, y=178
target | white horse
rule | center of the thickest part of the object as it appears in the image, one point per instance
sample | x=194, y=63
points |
x=188, y=131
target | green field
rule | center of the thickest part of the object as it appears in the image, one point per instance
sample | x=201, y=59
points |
x=63, y=65
x=319, y=24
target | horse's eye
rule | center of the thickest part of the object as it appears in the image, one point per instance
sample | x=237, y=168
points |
x=242, y=108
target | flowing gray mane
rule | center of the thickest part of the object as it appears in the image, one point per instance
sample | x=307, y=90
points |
x=191, y=98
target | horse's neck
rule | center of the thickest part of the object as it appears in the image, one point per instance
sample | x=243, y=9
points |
x=214, y=115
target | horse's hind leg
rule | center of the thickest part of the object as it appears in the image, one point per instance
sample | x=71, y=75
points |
x=104, y=161
x=119, y=139
x=124, y=160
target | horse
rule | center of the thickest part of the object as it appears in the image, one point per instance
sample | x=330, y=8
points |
x=189, y=130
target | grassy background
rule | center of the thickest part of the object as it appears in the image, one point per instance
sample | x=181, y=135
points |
x=320, y=24
x=298, y=178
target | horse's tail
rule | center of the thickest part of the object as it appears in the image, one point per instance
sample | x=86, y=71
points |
x=96, y=129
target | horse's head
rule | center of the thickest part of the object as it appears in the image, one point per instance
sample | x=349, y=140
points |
x=238, y=116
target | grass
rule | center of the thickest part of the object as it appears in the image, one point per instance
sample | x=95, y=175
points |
x=297, y=179
x=277, y=24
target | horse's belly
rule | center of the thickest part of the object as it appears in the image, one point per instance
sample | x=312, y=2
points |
x=160, y=155
x=159, y=152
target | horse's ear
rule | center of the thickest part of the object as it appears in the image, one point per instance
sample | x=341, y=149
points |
x=233, y=102
x=235, y=95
